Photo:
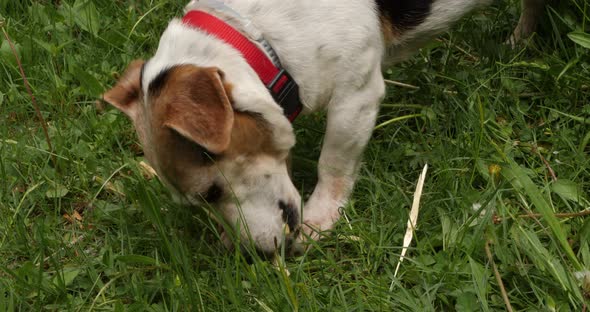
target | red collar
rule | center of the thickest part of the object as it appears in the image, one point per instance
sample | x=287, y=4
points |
x=283, y=88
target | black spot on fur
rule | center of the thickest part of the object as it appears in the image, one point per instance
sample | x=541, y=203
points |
x=157, y=84
x=213, y=194
x=290, y=215
x=405, y=14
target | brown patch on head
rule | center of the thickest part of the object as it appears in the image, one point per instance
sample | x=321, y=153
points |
x=187, y=166
x=188, y=127
x=195, y=129
x=194, y=103
x=250, y=136
x=191, y=121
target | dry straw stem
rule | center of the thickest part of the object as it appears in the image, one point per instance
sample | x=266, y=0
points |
x=28, y=87
x=563, y=215
x=413, y=219
x=498, y=277
x=413, y=87
x=545, y=162
x=147, y=171
x=109, y=186
x=401, y=84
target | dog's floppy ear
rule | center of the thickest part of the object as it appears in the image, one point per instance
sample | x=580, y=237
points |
x=125, y=94
x=201, y=110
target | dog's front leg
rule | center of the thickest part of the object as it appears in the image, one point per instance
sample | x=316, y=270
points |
x=351, y=119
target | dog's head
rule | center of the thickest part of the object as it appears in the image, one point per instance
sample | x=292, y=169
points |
x=205, y=151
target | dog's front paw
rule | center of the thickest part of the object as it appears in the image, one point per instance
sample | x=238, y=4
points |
x=319, y=215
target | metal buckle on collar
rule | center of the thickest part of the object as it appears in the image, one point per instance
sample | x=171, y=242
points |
x=285, y=92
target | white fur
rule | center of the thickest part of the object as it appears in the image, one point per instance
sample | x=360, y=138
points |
x=334, y=50
x=258, y=186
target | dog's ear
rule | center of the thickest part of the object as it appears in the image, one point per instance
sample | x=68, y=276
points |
x=125, y=94
x=201, y=110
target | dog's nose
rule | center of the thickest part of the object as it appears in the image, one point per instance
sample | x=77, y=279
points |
x=289, y=245
x=290, y=215
x=213, y=194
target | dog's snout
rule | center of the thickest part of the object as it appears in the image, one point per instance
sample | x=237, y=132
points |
x=291, y=248
x=290, y=215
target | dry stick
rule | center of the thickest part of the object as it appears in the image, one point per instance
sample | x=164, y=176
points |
x=529, y=94
x=563, y=215
x=551, y=172
x=498, y=277
x=28, y=87
x=559, y=215
x=401, y=84
x=413, y=87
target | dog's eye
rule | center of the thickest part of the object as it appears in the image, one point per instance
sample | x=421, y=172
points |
x=204, y=156
x=208, y=156
x=213, y=194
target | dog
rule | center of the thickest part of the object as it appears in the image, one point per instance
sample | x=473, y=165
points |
x=213, y=107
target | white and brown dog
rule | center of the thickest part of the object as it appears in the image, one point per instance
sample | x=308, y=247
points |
x=212, y=107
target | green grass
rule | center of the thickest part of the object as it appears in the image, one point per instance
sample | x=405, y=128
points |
x=481, y=107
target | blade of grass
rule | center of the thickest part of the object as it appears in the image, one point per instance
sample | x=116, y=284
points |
x=33, y=100
x=383, y=124
x=515, y=173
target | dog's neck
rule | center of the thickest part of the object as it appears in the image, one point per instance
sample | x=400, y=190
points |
x=225, y=12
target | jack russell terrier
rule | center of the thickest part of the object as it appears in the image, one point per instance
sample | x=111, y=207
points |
x=213, y=107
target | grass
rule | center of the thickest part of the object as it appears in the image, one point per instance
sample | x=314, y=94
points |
x=87, y=231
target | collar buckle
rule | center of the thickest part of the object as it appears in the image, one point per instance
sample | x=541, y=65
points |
x=285, y=92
